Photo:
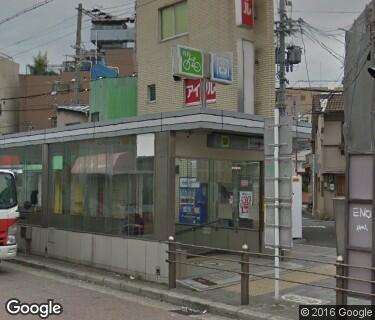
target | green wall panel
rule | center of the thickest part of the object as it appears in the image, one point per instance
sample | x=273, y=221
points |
x=114, y=98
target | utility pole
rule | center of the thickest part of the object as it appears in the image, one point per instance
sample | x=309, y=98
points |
x=280, y=109
x=281, y=34
x=77, y=83
x=285, y=62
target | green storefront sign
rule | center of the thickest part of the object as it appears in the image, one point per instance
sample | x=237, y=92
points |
x=191, y=62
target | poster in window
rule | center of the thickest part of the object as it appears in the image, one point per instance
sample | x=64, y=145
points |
x=245, y=202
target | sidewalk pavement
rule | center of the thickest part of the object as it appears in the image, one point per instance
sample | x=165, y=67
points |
x=223, y=301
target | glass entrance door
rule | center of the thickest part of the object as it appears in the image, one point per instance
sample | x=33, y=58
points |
x=214, y=196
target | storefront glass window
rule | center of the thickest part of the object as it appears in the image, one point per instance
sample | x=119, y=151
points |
x=221, y=193
x=103, y=186
x=26, y=163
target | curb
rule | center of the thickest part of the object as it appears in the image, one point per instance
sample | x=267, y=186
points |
x=168, y=296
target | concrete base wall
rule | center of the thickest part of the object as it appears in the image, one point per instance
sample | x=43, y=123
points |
x=221, y=238
x=136, y=257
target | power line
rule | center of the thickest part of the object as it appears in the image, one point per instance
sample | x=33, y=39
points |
x=30, y=108
x=332, y=35
x=304, y=54
x=327, y=12
x=123, y=12
x=35, y=6
x=316, y=80
x=314, y=90
x=27, y=97
x=311, y=31
x=305, y=58
x=16, y=43
x=49, y=31
x=127, y=3
x=57, y=81
x=4, y=56
x=40, y=95
x=129, y=10
x=48, y=42
x=334, y=54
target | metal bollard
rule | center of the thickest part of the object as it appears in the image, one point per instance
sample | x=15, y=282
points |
x=172, y=263
x=245, y=275
x=341, y=298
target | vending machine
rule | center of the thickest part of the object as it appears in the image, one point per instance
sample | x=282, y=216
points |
x=193, y=201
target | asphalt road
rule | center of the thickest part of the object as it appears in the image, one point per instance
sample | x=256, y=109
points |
x=79, y=300
x=318, y=232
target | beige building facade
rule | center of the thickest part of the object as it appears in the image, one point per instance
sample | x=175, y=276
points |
x=299, y=101
x=328, y=141
x=210, y=26
x=9, y=89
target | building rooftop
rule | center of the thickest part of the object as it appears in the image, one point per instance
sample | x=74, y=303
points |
x=333, y=102
x=78, y=108
x=182, y=120
x=112, y=21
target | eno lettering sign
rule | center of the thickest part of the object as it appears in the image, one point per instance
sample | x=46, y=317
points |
x=190, y=63
x=193, y=92
x=360, y=226
x=359, y=223
x=245, y=13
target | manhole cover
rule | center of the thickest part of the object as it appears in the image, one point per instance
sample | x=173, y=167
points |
x=204, y=281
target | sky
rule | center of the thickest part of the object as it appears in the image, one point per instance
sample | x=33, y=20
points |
x=325, y=15
x=51, y=28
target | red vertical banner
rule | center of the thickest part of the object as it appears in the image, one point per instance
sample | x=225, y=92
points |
x=210, y=92
x=193, y=92
x=247, y=13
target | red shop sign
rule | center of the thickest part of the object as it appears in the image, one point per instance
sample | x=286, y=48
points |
x=245, y=13
x=193, y=92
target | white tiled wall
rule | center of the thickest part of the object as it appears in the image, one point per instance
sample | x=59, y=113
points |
x=129, y=256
